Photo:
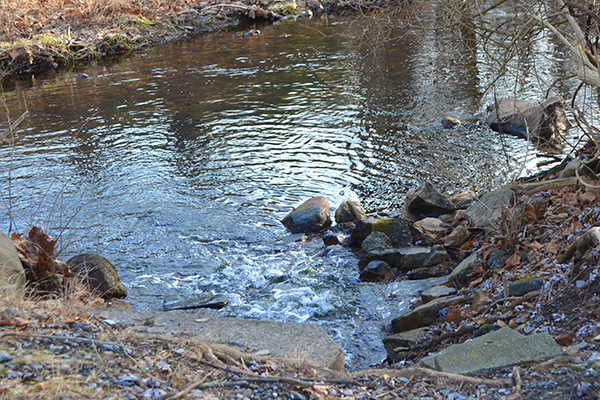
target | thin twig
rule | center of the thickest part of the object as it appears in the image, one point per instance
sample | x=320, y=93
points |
x=123, y=347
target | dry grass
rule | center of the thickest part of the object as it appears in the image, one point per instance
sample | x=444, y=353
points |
x=43, y=34
x=26, y=18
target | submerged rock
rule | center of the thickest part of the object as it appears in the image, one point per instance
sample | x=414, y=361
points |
x=539, y=121
x=206, y=301
x=311, y=216
x=426, y=201
x=99, y=273
x=332, y=239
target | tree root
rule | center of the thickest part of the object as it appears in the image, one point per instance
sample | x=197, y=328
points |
x=431, y=375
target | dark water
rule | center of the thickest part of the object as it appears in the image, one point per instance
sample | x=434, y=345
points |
x=178, y=163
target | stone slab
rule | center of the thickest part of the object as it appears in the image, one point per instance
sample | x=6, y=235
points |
x=464, y=268
x=277, y=339
x=496, y=350
x=487, y=211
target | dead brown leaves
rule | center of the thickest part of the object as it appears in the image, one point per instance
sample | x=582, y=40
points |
x=21, y=18
x=37, y=253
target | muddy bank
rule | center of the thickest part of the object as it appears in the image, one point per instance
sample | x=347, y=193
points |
x=55, y=34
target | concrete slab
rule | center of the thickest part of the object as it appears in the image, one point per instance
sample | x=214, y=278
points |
x=277, y=339
x=496, y=350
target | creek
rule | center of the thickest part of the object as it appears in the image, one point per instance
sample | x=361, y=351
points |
x=178, y=163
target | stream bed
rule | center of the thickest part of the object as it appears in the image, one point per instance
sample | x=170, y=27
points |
x=179, y=162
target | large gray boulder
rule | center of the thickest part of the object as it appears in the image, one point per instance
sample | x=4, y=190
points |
x=310, y=217
x=426, y=201
x=497, y=350
x=543, y=121
x=488, y=210
x=98, y=273
x=276, y=339
x=12, y=275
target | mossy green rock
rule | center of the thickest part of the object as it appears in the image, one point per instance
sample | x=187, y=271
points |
x=524, y=286
x=398, y=230
x=98, y=273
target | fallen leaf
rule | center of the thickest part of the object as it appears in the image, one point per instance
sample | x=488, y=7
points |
x=535, y=246
x=454, y=313
x=535, y=212
x=512, y=261
x=476, y=282
x=575, y=226
x=14, y=53
x=551, y=248
x=565, y=340
x=502, y=243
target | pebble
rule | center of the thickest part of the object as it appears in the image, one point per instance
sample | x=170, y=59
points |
x=4, y=357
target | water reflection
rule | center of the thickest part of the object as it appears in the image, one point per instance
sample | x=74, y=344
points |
x=179, y=163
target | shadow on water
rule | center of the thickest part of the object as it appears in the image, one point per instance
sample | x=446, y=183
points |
x=179, y=163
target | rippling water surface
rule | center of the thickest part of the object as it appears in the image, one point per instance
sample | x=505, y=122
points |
x=178, y=163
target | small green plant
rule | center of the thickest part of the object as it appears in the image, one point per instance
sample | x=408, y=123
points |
x=284, y=8
x=143, y=22
x=115, y=44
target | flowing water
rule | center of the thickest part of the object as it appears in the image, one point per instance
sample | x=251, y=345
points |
x=178, y=163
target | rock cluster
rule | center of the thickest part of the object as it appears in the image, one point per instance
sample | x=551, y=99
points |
x=498, y=261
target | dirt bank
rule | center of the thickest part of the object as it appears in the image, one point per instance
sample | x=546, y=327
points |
x=52, y=34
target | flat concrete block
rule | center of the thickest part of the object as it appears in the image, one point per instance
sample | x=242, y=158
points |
x=496, y=350
x=278, y=339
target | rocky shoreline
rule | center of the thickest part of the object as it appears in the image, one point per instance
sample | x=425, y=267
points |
x=521, y=296
x=522, y=273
